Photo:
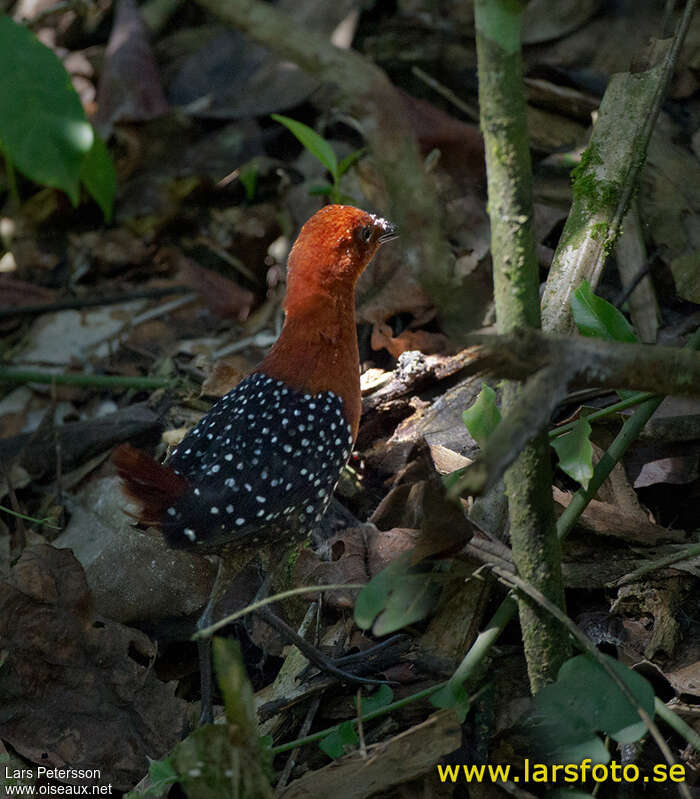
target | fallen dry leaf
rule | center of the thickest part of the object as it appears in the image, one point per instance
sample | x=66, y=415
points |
x=408, y=340
x=129, y=88
x=225, y=298
x=76, y=691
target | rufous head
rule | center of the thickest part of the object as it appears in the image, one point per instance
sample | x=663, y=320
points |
x=331, y=252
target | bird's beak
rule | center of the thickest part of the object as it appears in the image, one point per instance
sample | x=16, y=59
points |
x=389, y=232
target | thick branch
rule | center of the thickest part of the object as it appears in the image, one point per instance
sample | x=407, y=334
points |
x=528, y=481
x=589, y=362
x=608, y=175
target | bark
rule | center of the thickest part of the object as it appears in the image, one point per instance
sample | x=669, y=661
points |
x=536, y=549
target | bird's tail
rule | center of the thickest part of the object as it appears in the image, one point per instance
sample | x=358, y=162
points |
x=154, y=485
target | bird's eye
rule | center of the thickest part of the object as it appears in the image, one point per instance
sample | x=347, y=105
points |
x=366, y=233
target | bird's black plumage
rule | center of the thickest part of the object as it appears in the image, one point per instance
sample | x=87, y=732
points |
x=265, y=458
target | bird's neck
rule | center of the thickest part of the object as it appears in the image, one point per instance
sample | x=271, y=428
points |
x=317, y=351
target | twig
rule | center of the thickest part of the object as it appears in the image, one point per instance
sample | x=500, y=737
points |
x=382, y=711
x=304, y=589
x=311, y=711
x=587, y=361
x=448, y=94
x=45, y=521
x=76, y=303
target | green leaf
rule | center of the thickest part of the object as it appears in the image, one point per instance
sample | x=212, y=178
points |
x=411, y=599
x=396, y=597
x=350, y=160
x=162, y=776
x=43, y=129
x=382, y=697
x=575, y=452
x=99, y=177
x=373, y=597
x=314, y=143
x=452, y=696
x=585, y=701
x=595, y=317
x=249, y=181
x=336, y=742
x=161, y=773
x=483, y=416
x=321, y=189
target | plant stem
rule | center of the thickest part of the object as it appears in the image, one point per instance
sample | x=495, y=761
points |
x=630, y=402
x=269, y=600
x=676, y=722
x=536, y=549
x=382, y=711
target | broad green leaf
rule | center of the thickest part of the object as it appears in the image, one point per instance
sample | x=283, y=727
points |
x=99, y=177
x=586, y=701
x=596, y=317
x=483, y=416
x=373, y=597
x=314, y=143
x=396, y=597
x=452, y=696
x=43, y=129
x=575, y=452
x=411, y=598
x=336, y=742
x=382, y=697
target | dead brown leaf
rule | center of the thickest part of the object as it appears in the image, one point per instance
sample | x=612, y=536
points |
x=130, y=88
x=75, y=691
x=421, y=340
x=224, y=297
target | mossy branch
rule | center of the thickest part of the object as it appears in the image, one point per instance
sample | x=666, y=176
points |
x=607, y=176
x=536, y=550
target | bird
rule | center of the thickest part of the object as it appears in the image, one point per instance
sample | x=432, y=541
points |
x=260, y=467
